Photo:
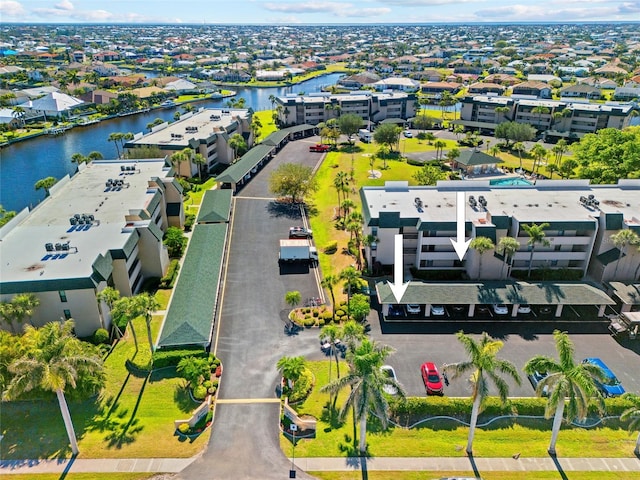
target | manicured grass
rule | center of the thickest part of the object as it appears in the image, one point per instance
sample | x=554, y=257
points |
x=268, y=125
x=448, y=438
x=401, y=475
x=162, y=296
x=133, y=417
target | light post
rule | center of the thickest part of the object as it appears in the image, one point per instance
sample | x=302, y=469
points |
x=292, y=472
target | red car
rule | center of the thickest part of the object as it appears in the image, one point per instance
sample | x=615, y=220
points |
x=431, y=378
x=319, y=147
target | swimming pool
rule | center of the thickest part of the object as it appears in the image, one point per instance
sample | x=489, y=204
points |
x=509, y=181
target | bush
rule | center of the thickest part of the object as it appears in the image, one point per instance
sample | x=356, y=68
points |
x=199, y=392
x=171, y=358
x=215, y=382
x=172, y=273
x=320, y=322
x=326, y=316
x=340, y=312
x=331, y=248
x=189, y=220
x=211, y=390
x=207, y=384
x=302, y=387
x=316, y=313
x=100, y=336
x=309, y=322
x=183, y=428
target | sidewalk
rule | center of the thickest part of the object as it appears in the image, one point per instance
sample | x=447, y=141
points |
x=435, y=464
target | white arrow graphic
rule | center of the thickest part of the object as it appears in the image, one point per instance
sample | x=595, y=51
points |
x=397, y=287
x=459, y=244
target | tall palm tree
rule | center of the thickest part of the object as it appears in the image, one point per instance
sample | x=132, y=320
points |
x=538, y=152
x=520, y=148
x=332, y=332
x=439, y=144
x=485, y=367
x=503, y=111
x=19, y=113
x=329, y=282
x=352, y=333
x=622, y=240
x=366, y=382
x=45, y=184
x=540, y=110
x=180, y=157
x=54, y=363
x=109, y=296
x=124, y=311
x=199, y=160
x=237, y=143
x=565, y=380
x=145, y=304
x=507, y=246
x=340, y=183
x=115, y=137
x=291, y=368
x=24, y=305
x=350, y=275
x=633, y=414
x=536, y=235
x=481, y=245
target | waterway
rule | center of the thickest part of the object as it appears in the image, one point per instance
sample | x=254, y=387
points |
x=22, y=164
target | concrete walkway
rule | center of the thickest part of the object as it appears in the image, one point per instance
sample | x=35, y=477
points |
x=435, y=464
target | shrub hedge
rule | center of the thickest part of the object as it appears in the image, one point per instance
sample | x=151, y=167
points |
x=171, y=358
x=172, y=273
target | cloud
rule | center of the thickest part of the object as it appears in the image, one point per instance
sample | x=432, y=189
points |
x=426, y=3
x=544, y=13
x=11, y=9
x=331, y=8
x=65, y=5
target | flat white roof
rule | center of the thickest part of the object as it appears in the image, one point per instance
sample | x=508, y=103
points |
x=551, y=200
x=22, y=250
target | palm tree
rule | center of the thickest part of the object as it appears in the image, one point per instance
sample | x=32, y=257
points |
x=123, y=309
x=79, y=158
x=484, y=367
x=329, y=282
x=179, y=157
x=622, y=240
x=145, y=304
x=199, y=160
x=331, y=333
x=45, y=184
x=237, y=143
x=109, y=296
x=291, y=368
x=507, y=246
x=520, y=148
x=54, y=363
x=340, y=183
x=536, y=235
x=24, y=305
x=366, y=382
x=481, y=245
x=18, y=113
x=565, y=379
x=503, y=111
x=540, y=110
x=94, y=155
x=352, y=333
x=272, y=99
x=559, y=149
x=293, y=298
x=115, y=137
x=633, y=414
x=430, y=137
x=538, y=152
x=439, y=144
x=350, y=275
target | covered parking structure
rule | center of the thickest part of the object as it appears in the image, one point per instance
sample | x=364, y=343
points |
x=510, y=293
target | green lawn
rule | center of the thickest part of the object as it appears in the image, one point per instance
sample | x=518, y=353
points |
x=133, y=417
x=401, y=475
x=448, y=439
x=268, y=125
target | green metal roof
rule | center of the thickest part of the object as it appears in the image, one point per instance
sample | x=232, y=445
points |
x=471, y=158
x=215, y=206
x=536, y=293
x=191, y=312
x=609, y=256
x=613, y=221
x=236, y=172
x=394, y=120
x=8, y=288
x=471, y=124
x=276, y=138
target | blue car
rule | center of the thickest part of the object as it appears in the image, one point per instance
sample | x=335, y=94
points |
x=611, y=387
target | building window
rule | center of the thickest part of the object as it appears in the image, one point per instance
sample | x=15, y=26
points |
x=554, y=263
x=67, y=314
x=63, y=296
x=560, y=233
x=557, y=248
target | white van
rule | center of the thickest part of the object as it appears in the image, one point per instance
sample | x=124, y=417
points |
x=365, y=135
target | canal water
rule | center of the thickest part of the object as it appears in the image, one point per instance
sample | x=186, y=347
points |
x=22, y=164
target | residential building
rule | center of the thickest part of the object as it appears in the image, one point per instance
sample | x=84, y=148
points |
x=206, y=131
x=371, y=106
x=402, y=84
x=581, y=218
x=532, y=89
x=580, y=91
x=102, y=227
x=578, y=118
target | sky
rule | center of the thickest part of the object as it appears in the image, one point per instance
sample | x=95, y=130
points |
x=316, y=12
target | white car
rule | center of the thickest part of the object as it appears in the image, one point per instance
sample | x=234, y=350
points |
x=413, y=308
x=437, y=310
x=407, y=134
x=391, y=373
x=500, y=309
x=524, y=308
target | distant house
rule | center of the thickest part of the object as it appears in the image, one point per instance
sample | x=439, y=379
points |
x=181, y=86
x=437, y=88
x=484, y=88
x=502, y=79
x=359, y=80
x=397, y=83
x=532, y=89
x=55, y=104
x=610, y=70
x=581, y=91
x=475, y=162
x=626, y=93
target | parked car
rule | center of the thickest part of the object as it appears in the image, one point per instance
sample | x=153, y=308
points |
x=300, y=232
x=524, y=308
x=431, y=378
x=611, y=386
x=391, y=373
x=500, y=309
x=536, y=378
x=407, y=134
x=319, y=147
x=413, y=308
x=437, y=310
x=396, y=311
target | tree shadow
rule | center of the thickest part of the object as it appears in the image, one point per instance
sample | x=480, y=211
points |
x=559, y=467
x=287, y=210
x=474, y=467
x=331, y=416
x=182, y=399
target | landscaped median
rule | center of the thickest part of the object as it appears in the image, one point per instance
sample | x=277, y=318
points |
x=442, y=437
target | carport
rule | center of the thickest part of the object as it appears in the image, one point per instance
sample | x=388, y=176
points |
x=627, y=296
x=240, y=172
x=513, y=294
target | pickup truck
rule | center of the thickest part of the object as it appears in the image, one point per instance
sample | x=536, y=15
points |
x=319, y=147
